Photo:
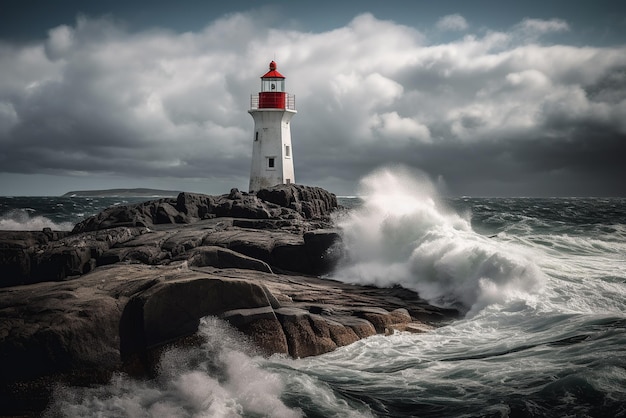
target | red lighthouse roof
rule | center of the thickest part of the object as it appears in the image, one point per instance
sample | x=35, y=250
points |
x=272, y=73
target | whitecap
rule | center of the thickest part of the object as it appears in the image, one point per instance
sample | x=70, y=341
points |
x=23, y=220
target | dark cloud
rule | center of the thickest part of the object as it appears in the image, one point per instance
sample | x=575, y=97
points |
x=490, y=113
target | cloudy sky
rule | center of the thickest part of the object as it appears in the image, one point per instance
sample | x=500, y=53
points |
x=489, y=98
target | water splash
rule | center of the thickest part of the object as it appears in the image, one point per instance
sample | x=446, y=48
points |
x=221, y=378
x=403, y=234
x=23, y=220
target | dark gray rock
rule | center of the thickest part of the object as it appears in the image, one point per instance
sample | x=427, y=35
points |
x=309, y=202
x=289, y=202
x=324, y=248
x=224, y=258
x=16, y=250
x=32, y=257
x=146, y=254
x=196, y=206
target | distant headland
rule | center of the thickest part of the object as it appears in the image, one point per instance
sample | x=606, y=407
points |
x=123, y=193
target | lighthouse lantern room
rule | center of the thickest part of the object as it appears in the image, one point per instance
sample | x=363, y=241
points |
x=272, y=109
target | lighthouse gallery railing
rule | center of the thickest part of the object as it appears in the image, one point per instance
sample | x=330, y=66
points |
x=290, y=102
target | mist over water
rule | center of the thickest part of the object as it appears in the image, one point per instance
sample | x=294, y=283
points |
x=403, y=234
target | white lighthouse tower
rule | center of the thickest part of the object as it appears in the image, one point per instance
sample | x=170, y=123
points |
x=272, y=155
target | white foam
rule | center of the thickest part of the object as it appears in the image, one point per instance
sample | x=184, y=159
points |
x=404, y=235
x=22, y=220
x=219, y=379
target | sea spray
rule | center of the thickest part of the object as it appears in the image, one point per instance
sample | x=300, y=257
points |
x=558, y=352
x=403, y=234
x=221, y=378
x=25, y=220
x=33, y=213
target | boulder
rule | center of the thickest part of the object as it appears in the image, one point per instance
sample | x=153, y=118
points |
x=262, y=325
x=172, y=309
x=310, y=334
x=382, y=319
x=309, y=202
x=195, y=206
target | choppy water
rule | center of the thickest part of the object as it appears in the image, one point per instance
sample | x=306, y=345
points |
x=542, y=283
x=30, y=213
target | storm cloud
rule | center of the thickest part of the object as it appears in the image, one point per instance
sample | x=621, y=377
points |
x=489, y=113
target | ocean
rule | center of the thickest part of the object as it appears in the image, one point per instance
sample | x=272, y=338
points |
x=541, y=284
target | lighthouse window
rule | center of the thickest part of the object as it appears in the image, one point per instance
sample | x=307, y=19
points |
x=270, y=162
x=256, y=136
x=272, y=84
x=287, y=151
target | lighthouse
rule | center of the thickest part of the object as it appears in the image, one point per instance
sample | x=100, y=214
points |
x=272, y=155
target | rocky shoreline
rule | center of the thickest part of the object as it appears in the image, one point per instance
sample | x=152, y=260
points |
x=132, y=281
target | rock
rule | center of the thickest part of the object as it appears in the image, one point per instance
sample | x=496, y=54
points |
x=291, y=256
x=255, y=244
x=302, y=339
x=309, y=334
x=324, y=248
x=381, y=319
x=121, y=317
x=116, y=216
x=52, y=332
x=361, y=327
x=279, y=202
x=310, y=202
x=262, y=325
x=224, y=258
x=33, y=257
x=195, y=206
x=172, y=309
x=183, y=240
x=16, y=249
x=146, y=254
x=15, y=266
x=130, y=281
x=412, y=327
x=235, y=194
x=60, y=263
x=166, y=213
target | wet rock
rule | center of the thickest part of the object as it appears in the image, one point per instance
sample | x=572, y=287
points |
x=135, y=279
x=262, y=325
x=121, y=317
x=172, y=308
